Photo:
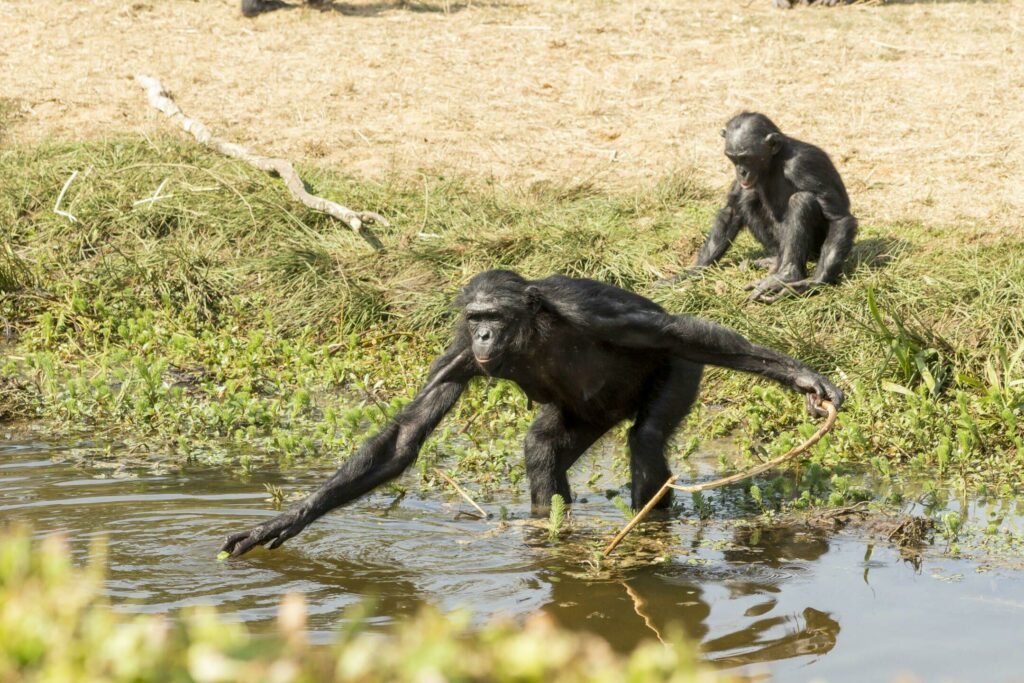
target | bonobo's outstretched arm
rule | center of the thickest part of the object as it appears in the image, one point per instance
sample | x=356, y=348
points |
x=385, y=456
x=727, y=225
x=628, y=320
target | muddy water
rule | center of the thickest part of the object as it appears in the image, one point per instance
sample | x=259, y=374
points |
x=794, y=604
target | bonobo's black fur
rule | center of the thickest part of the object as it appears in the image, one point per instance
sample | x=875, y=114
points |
x=787, y=4
x=791, y=197
x=251, y=8
x=591, y=353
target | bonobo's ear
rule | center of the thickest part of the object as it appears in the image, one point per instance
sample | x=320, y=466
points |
x=774, y=141
x=534, y=298
x=722, y=132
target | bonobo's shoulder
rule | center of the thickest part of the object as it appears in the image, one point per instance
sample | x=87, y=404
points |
x=809, y=166
x=591, y=296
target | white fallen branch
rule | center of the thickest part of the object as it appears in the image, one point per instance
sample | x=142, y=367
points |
x=158, y=98
x=64, y=190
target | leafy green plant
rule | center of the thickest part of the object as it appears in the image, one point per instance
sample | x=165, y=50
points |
x=556, y=516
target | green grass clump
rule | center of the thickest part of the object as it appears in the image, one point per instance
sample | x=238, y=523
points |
x=217, y=319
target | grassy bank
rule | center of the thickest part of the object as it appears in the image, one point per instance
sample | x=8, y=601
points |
x=191, y=309
x=55, y=626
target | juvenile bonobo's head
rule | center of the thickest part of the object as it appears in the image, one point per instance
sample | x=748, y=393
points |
x=498, y=309
x=751, y=141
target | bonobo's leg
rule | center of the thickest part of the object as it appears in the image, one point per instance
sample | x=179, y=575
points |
x=796, y=241
x=835, y=249
x=663, y=408
x=554, y=442
x=250, y=8
x=798, y=230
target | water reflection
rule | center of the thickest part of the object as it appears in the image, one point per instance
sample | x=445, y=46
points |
x=758, y=563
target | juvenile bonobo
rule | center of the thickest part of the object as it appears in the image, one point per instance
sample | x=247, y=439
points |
x=590, y=353
x=791, y=197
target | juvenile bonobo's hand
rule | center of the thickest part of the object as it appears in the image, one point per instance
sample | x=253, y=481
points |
x=275, y=532
x=691, y=272
x=771, y=289
x=818, y=389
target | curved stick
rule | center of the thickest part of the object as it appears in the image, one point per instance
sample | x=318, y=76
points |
x=159, y=99
x=825, y=428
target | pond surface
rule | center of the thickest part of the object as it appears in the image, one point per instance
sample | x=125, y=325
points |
x=796, y=604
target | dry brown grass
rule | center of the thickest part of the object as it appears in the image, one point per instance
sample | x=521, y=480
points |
x=920, y=103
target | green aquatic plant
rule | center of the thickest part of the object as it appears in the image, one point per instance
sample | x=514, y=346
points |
x=556, y=516
x=622, y=506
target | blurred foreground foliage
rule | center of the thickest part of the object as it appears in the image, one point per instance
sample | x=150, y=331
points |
x=55, y=627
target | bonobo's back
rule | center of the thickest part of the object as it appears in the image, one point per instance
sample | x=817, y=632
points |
x=581, y=300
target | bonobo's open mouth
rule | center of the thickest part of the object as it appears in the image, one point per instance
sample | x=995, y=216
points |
x=746, y=185
x=484, y=361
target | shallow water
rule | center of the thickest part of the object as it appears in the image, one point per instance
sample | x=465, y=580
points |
x=792, y=603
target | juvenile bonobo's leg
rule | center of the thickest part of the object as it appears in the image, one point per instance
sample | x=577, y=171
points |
x=664, y=407
x=837, y=246
x=554, y=442
x=796, y=239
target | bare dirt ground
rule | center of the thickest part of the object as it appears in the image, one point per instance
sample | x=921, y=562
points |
x=921, y=104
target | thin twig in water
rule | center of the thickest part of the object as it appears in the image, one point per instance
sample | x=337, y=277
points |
x=461, y=492
x=717, y=483
x=60, y=198
x=357, y=221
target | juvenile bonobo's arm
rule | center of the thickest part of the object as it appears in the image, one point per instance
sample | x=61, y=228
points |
x=727, y=225
x=382, y=458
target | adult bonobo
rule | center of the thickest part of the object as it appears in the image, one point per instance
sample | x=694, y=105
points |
x=591, y=353
x=791, y=197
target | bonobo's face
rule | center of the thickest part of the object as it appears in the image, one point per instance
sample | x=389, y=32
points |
x=750, y=165
x=489, y=332
x=750, y=148
x=498, y=309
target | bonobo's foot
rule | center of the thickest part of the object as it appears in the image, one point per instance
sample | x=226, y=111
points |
x=818, y=389
x=773, y=288
x=250, y=8
x=275, y=532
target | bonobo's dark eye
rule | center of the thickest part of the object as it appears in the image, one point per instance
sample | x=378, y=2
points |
x=479, y=317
